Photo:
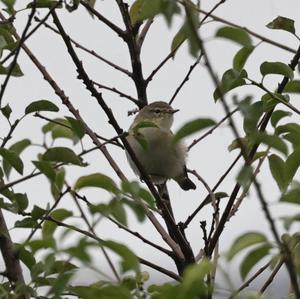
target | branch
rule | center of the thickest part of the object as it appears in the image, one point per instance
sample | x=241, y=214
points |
x=10, y=256
x=211, y=11
x=92, y=52
x=195, y=141
x=100, y=17
x=185, y=249
x=120, y=93
x=262, y=38
x=206, y=201
x=248, y=282
x=248, y=159
x=186, y=78
x=17, y=51
x=134, y=51
x=139, y=236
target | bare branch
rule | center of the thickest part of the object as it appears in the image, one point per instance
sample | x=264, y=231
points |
x=92, y=52
x=261, y=37
x=100, y=17
x=115, y=90
x=210, y=131
x=186, y=78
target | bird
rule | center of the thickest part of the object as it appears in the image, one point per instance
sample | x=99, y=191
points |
x=152, y=142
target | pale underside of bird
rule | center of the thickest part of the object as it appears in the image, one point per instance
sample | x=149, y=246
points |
x=152, y=141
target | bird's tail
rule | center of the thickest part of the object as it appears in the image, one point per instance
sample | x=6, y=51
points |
x=184, y=182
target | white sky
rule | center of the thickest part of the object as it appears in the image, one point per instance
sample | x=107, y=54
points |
x=210, y=158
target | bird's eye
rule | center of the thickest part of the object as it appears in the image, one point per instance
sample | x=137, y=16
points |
x=156, y=111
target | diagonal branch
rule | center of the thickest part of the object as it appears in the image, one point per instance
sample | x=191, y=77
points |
x=184, y=246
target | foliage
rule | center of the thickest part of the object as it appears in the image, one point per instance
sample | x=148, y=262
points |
x=62, y=234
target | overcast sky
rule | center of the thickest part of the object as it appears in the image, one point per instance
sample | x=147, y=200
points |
x=210, y=157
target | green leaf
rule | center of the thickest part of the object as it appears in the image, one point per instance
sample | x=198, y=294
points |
x=26, y=257
x=230, y=80
x=278, y=115
x=62, y=154
x=76, y=126
x=270, y=100
x=253, y=258
x=118, y=211
x=17, y=148
x=237, y=35
x=97, y=180
x=288, y=221
x=61, y=214
x=16, y=71
x=42, y=105
x=277, y=168
x=46, y=168
x=272, y=141
x=244, y=241
x=292, y=87
x=144, y=9
x=21, y=201
x=9, y=5
x=12, y=159
x=193, y=127
x=252, y=114
x=241, y=57
x=45, y=4
x=288, y=128
x=293, y=138
x=144, y=124
x=282, y=23
x=26, y=222
x=6, y=111
x=137, y=208
x=193, y=285
x=292, y=165
x=58, y=183
x=80, y=251
x=49, y=227
x=244, y=176
x=276, y=68
x=37, y=212
x=179, y=38
x=129, y=259
x=136, y=191
x=293, y=196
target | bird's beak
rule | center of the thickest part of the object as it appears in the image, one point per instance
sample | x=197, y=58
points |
x=175, y=110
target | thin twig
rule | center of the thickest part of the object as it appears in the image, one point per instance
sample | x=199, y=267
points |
x=248, y=159
x=17, y=51
x=88, y=83
x=271, y=277
x=185, y=79
x=91, y=229
x=206, y=201
x=135, y=52
x=161, y=64
x=248, y=282
x=41, y=22
x=115, y=90
x=211, y=11
x=210, y=131
x=261, y=37
x=100, y=17
x=92, y=52
x=139, y=236
x=274, y=96
x=113, y=140
x=144, y=32
x=9, y=134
